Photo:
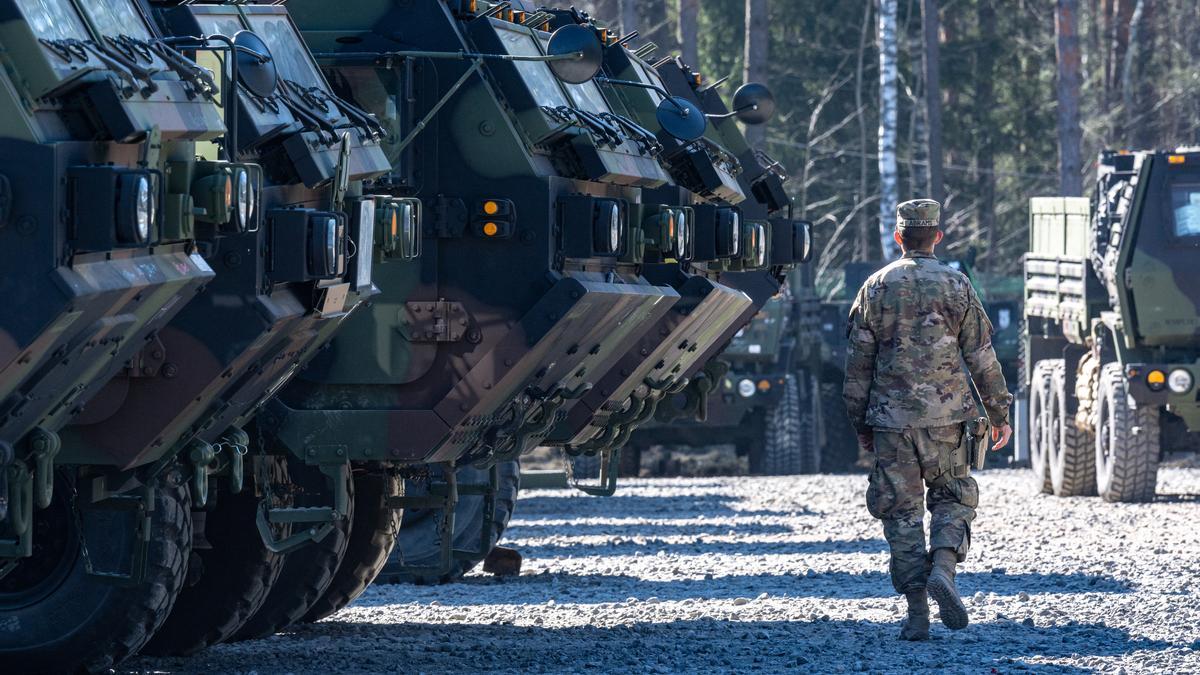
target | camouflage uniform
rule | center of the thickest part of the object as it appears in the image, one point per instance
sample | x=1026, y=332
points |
x=913, y=326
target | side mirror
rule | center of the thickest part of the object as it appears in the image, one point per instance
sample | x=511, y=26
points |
x=255, y=67
x=577, y=54
x=802, y=243
x=753, y=103
x=681, y=118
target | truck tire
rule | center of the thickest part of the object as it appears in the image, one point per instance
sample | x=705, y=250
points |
x=372, y=537
x=840, y=441
x=68, y=621
x=787, y=449
x=308, y=570
x=1127, y=442
x=1072, y=454
x=228, y=579
x=419, y=540
x=1040, y=424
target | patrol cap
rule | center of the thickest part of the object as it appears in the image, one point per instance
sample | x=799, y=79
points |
x=918, y=213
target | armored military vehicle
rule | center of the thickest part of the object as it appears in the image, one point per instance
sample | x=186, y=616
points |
x=1113, y=327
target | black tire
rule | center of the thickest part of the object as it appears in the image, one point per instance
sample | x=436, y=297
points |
x=1040, y=424
x=840, y=451
x=1127, y=442
x=631, y=461
x=229, y=580
x=308, y=570
x=786, y=450
x=69, y=621
x=419, y=539
x=1072, y=456
x=372, y=537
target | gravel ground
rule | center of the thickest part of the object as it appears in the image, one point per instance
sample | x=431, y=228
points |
x=734, y=574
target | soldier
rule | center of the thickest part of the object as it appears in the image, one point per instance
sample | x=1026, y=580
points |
x=913, y=326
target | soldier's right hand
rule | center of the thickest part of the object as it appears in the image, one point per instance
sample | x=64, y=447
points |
x=1000, y=436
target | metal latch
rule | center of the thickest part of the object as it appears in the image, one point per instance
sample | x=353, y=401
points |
x=439, y=321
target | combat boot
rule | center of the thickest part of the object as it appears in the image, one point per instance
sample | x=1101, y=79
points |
x=941, y=588
x=916, y=624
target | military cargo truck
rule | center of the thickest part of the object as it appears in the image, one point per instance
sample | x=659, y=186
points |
x=1113, y=327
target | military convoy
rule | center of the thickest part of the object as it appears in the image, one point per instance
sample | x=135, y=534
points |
x=1113, y=327
x=292, y=289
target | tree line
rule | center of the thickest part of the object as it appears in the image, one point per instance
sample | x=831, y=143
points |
x=980, y=104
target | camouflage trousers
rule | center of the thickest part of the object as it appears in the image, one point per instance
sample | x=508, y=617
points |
x=910, y=465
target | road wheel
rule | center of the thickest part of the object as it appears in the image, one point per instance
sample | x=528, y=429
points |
x=419, y=540
x=372, y=537
x=228, y=579
x=839, y=441
x=1127, y=442
x=58, y=618
x=308, y=570
x=1040, y=424
x=1072, y=454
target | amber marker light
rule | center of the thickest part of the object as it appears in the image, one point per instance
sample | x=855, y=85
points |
x=1175, y=159
x=490, y=229
x=1156, y=380
x=490, y=207
x=764, y=385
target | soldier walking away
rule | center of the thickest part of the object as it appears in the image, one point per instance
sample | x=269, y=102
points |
x=912, y=328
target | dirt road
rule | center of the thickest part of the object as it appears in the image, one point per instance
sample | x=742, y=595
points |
x=735, y=574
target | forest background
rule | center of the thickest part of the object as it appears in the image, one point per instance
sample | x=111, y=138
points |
x=981, y=104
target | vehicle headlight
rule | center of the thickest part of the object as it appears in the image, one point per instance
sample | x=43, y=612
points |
x=145, y=208
x=746, y=388
x=408, y=229
x=760, y=249
x=737, y=233
x=681, y=237
x=135, y=209
x=1180, y=381
x=364, y=243
x=242, y=198
x=614, y=228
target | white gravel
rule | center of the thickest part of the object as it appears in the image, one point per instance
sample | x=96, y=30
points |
x=736, y=574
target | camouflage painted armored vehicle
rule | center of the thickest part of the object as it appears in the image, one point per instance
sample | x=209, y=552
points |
x=99, y=242
x=726, y=246
x=529, y=287
x=1113, y=327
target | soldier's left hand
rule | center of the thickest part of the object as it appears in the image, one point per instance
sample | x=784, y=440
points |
x=1001, y=436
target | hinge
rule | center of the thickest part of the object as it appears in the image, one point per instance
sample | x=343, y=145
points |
x=449, y=219
x=439, y=321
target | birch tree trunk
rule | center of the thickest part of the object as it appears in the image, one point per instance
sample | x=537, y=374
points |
x=757, y=50
x=865, y=248
x=1067, y=84
x=1128, y=95
x=985, y=105
x=689, y=22
x=888, y=104
x=629, y=16
x=933, y=99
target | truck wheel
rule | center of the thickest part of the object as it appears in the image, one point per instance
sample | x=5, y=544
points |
x=372, y=537
x=228, y=579
x=1072, y=454
x=308, y=570
x=419, y=542
x=1040, y=424
x=839, y=439
x=787, y=448
x=1127, y=442
x=58, y=618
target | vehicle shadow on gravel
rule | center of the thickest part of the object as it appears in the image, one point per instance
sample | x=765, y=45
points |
x=650, y=546
x=594, y=589
x=816, y=645
x=647, y=506
x=518, y=529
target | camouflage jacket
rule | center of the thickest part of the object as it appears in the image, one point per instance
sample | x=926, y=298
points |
x=913, y=326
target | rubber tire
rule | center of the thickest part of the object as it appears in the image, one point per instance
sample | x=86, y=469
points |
x=840, y=442
x=236, y=575
x=1040, y=424
x=308, y=570
x=1131, y=475
x=86, y=623
x=418, y=542
x=372, y=537
x=783, y=451
x=1073, y=455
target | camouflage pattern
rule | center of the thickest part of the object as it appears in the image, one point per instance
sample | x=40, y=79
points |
x=908, y=463
x=918, y=213
x=912, y=327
